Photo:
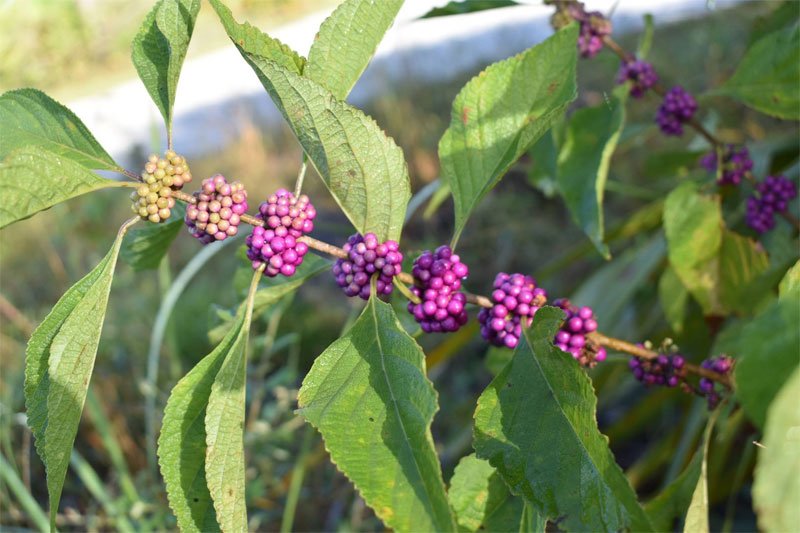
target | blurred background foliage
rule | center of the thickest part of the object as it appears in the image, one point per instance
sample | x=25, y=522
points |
x=70, y=47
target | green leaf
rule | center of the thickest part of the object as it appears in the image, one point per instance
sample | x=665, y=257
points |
x=59, y=361
x=500, y=114
x=158, y=50
x=776, y=489
x=693, y=226
x=767, y=349
x=144, y=248
x=674, y=299
x=346, y=41
x=34, y=179
x=673, y=502
x=591, y=138
x=543, y=173
x=370, y=398
x=646, y=39
x=182, y=442
x=790, y=282
x=30, y=117
x=252, y=41
x=479, y=497
x=769, y=74
x=467, y=6
x=535, y=423
x=362, y=167
x=224, y=428
x=741, y=263
x=697, y=514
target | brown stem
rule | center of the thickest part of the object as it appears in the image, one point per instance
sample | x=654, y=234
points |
x=661, y=90
x=642, y=352
x=479, y=300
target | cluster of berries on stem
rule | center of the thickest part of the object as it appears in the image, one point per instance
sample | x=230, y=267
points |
x=572, y=338
x=677, y=108
x=722, y=364
x=153, y=199
x=366, y=257
x=437, y=283
x=217, y=210
x=641, y=75
x=735, y=165
x=276, y=245
x=516, y=299
x=773, y=197
x=665, y=370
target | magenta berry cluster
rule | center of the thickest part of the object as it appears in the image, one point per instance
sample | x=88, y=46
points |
x=774, y=195
x=571, y=337
x=735, y=164
x=594, y=26
x=216, y=213
x=666, y=370
x=366, y=257
x=437, y=280
x=640, y=73
x=276, y=245
x=516, y=299
x=721, y=364
x=678, y=107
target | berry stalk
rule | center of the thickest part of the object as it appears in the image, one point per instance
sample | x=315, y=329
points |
x=482, y=301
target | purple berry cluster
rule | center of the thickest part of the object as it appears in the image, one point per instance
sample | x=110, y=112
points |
x=774, y=195
x=721, y=364
x=594, y=26
x=367, y=257
x=286, y=219
x=735, y=164
x=516, y=299
x=216, y=214
x=640, y=73
x=571, y=337
x=667, y=370
x=437, y=280
x=677, y=108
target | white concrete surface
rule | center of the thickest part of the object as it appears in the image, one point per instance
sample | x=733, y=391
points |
x=217, y=90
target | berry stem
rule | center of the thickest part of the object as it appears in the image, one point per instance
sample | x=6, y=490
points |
x=131, y=175
x=403, y=288
x=661, y=91
x=641, y=352
x=301, y=176
x=404, y=278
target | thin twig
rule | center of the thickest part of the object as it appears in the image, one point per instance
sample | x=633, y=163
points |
x=301, y=176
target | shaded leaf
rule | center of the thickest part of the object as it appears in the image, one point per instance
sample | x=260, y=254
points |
x=646, y=39
x=543, y=173
x=776, y=489
x=479, y=497
x=461, y=7
x=591, y=138
x=535, y=423
x=672, y=503
x=767, y=350
x=790, y=282
x=500, y=114
x=144, y=248
x=159, y=48
x=769, y=74
x=59, y=362
x=362, y=167
x=741, y=263
x=34, y=179
x=697, y=514
x=224, y=427
x=674, y=299
x=346, y=42
x=31, y=118
x=369, y=397
x=693, y=226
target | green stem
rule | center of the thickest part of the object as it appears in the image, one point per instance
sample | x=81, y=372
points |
x=25, y=499
x=301, y=176
x=298, y=472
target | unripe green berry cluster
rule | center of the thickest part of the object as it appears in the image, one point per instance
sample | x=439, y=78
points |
x=153, y=199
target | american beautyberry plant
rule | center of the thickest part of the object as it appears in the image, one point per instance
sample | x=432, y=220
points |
x=721, y=250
